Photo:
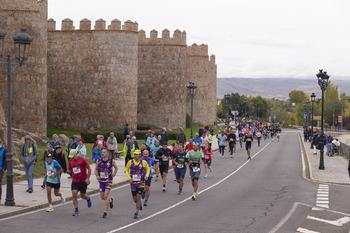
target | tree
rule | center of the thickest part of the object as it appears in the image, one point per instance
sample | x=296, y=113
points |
x=298, y=97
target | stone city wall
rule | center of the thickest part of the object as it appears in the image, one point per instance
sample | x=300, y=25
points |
x=162, y=79
x=29, y=82
x=93, y=74
x=202, y=71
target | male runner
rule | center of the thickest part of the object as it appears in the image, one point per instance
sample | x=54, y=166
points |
x=164, y=155
x=195, y=158
x=53, y=171
x=135, y=171
x=278, y=133
x=104, y=174
x=248, y=143
x=81, y=178
x=146, y=193
x=231, y=138
x=180, y=161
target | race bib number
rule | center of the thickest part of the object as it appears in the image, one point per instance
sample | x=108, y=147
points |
x=76, y=170
x=231, y=139
x=180, y=166
x=50, y=173
x=248, y=139
x=206, y=156
x=196, y=169
x=165, y=158
x=104, y=175
x=136, y=177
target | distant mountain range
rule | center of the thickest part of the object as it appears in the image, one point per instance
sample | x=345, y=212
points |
x=278, y=88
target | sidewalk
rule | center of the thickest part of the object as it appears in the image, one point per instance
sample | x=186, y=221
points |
x=336, y=168
x=26, y=202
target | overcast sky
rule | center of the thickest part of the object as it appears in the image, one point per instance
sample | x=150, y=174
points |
x=250, y=38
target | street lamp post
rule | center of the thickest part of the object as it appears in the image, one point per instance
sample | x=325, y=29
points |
x=322, y=77
x=22, y=43
x=305, y=125
x=307, y=112
x=245, y=108
x=191, y=87
x=313, y=96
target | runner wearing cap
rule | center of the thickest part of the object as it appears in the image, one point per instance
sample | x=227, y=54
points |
x=135, y=171
x=81, y=171
x=53, y=172
x=195, y=158
x=104, y=174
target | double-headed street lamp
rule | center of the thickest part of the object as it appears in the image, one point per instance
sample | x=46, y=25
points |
x=191, y=87
x=22, y=43
x=313, y=96
x=323, y=78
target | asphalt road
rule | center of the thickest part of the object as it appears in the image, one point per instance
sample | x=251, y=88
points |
x=265, y=194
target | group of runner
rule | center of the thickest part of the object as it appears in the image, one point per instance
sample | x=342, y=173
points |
x=150, y=156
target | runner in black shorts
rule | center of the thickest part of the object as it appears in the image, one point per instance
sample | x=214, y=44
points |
x=151, y=164
x=164, y=155
x=248, y=143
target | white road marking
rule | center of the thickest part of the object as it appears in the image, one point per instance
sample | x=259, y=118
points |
x=303, y=230
x=338, y=222
x=187, y=199
x=322, y=199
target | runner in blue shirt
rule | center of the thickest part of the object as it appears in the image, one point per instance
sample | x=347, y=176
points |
x=146, y=193
x=198, y=140
x=222, y=144
x=53, y=171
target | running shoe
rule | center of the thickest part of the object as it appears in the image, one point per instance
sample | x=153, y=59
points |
x=111, y=203
x=206, y=175
x=105, y=215
x=49, y=209
x=194, y=196
x=89, y=202
x=145, y=203
x=143, y=196
x=197, y=193
x=180, y=192
x=76, y=213
x=156, y=178
x=63, y=199
x=136, y=215
x=163, y=189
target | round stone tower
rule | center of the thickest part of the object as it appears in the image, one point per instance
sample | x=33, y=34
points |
x=29, y=82
x=93, y=74
x=162, y=79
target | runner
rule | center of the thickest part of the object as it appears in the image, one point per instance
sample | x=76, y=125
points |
x=175, y=148
x=195, y=158
x=198, y=140
x=135, y=171
x=264, y=133
x=104, y=175
x=189, y=146
x=146, y=193
x=248, y=143
x=222, y=144
x=180, y=161
x=81, y=178
x=278, y=131
x=241, y=138
x=207, y=161
x=53, y=171
x=272, y=131
x=154, y=149
x=258, y=136
x=164, y=155
x=231, y=138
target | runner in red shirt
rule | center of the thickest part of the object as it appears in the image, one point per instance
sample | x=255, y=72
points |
x=189, y=146
x=207, y=158
x=81, y=178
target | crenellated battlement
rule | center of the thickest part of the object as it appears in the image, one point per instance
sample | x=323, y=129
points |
x=197, y=50
x=100, y=25
x=179, y=38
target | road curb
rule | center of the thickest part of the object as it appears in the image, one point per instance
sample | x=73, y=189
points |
x=310, y=168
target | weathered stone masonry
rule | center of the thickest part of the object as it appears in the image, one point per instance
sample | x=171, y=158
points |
x=93, y=74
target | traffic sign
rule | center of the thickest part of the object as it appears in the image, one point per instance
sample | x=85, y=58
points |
x=305, y=115
x=274, y=116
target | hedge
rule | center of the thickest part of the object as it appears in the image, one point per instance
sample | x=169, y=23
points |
x=90, y=135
